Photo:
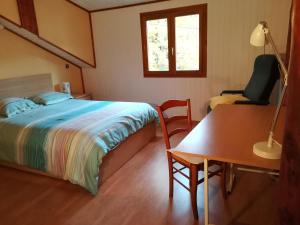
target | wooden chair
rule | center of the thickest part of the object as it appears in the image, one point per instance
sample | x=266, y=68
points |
x=194, y=164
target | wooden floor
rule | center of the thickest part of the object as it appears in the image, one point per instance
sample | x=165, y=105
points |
x=136, y=194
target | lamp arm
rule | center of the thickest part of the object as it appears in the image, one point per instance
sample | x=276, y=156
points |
x=274, y=122
x=285, y=72
x=282, y=65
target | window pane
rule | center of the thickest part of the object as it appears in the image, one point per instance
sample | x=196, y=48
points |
x=157, y=41
x=187, y=42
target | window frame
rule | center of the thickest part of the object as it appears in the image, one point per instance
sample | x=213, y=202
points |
x=170, y=15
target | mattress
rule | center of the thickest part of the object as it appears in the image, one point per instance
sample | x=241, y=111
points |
x=69, y=139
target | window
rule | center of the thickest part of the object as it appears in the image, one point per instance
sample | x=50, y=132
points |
x=174, y=42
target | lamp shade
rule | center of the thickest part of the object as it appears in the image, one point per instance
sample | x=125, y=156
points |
x=258, y=36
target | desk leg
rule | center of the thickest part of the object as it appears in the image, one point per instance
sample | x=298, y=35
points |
x=206, y=205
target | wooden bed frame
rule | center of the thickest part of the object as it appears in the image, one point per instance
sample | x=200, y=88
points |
x=29, y=85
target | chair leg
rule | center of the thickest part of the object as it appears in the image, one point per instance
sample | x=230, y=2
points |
x=224, y=180
x=171, y=179
x=193, y=189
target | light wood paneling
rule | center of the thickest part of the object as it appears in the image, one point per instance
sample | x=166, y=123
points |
x=230, y=57
x=66, y=26
x=44, y=44
x=9, y=9
x=19, y=57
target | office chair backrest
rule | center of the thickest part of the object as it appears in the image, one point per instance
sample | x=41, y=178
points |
x=264, y=77
x=164, y=122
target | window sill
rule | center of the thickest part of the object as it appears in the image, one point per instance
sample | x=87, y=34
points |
x=185, y=74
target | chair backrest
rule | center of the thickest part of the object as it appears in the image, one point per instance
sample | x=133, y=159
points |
x=264, y=77
x=164, y=122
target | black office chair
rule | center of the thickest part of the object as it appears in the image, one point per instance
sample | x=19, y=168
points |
x=261, y=84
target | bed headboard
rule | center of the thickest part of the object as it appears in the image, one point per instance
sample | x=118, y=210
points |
x=25, y=86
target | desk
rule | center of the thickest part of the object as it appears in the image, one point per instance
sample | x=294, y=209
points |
x=227, y=134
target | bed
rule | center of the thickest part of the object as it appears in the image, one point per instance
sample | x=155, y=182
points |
x=81, y=141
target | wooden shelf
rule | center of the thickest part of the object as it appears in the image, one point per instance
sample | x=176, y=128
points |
x=39, y=41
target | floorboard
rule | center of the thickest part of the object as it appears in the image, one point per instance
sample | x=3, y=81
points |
x=136, y=194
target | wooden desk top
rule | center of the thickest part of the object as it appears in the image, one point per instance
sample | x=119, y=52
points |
x=229, y=132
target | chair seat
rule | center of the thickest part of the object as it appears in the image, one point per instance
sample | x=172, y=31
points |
x=225, y=99
x=188, y=158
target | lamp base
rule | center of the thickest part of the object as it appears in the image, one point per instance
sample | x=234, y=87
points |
x=261, y=149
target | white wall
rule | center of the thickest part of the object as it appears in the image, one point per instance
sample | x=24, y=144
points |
x=119, y=72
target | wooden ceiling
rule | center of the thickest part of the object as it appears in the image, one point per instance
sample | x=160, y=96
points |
x=101, y=5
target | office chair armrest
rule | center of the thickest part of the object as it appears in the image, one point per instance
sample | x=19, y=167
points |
x=232, y=92
x=249, y=102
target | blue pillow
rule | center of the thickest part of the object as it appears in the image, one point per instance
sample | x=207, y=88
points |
x=50, y=98
x=10, y=107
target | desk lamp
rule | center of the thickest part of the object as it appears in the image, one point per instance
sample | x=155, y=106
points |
x=269, y=149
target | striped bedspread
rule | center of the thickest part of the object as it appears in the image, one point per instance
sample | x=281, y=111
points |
x=69, y=139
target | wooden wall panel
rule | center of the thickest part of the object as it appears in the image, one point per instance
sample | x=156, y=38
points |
x=230, y=57
x=66, y=26
x=19, y=57
x=290, y=166
x=9, y=9
x=27, y=15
